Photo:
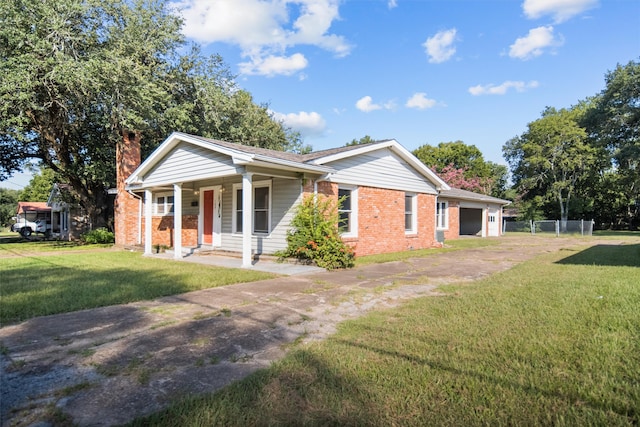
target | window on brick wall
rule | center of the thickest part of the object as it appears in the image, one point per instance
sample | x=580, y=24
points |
x=348, y=211
x=410, y=217
x=442, y=215
x=164, y=204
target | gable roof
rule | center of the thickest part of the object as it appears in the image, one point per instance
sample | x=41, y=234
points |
x=57, y=191
x=315, y=162
x=332, y=155
x=457, y=193
x=240, y=154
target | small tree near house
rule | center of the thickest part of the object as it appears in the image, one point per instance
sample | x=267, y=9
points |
x=315, y=236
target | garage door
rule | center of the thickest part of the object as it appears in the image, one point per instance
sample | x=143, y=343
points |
x=470, y=222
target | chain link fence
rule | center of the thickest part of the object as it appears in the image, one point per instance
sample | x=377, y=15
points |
x=582, y=227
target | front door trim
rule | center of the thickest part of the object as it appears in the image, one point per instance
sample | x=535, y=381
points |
x=217, y=215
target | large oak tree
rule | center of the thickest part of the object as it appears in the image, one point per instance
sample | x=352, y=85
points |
x=553, y=158
x=614, y=124
x=75, y=75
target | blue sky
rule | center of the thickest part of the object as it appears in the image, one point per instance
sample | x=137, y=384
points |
x=419, y=71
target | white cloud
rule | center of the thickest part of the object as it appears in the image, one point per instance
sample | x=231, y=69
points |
x=534, y=43
x=440, y=47
x=274, y=65
x=308, y=124
x=366, y=104
x=560, y=10
x=264, y=29
x=420, y=101
x=502, y=89
x=392, y=3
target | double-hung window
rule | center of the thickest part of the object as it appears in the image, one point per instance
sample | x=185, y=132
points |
x=410, y=220
x=164, y=204
x=442, y=215
x=261, y=208
x=348, y=211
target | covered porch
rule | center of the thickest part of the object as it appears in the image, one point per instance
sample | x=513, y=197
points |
x=198, y=193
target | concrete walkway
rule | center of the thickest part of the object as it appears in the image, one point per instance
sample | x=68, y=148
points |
x=266, y=264
x=109, y=365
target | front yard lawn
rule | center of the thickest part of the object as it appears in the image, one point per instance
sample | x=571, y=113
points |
x=40, y=284
x=554, y=341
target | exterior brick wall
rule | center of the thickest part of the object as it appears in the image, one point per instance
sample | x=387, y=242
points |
x=126, y=207
x=453, y=232
x=381, y=225
x=162, y=231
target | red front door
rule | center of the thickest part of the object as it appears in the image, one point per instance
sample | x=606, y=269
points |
x=207, y=235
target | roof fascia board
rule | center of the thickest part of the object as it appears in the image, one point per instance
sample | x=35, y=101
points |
x=356, y=151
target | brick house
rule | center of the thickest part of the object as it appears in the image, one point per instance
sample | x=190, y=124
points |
x=240, y=199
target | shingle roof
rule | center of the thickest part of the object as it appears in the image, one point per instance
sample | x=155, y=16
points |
x=457, y=193
x=282, y=155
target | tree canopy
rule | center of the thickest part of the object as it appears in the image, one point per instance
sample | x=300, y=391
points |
x=77, y=74
x=364, y=140
x=39, y=187
x=614, y=124
x=584, y=161
x=463, y=166
x=552, y=157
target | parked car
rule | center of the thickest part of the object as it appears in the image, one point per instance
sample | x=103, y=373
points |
x=26, y=228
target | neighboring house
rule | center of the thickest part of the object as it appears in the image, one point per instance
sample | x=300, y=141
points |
x=241, y=199
x=68, y=221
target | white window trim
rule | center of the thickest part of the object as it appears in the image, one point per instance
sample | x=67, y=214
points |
x=165, y=205
x=354, y=210
x=234, y=202
x=444, y=214
x=414, y=213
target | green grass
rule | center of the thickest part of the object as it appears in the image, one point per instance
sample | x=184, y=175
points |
x=554, y=341
x=15, y=245
x=36, y=285
x=450, y=245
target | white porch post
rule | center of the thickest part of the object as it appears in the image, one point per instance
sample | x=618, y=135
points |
x=148, y=211
x=247, y=218
x=177, y=221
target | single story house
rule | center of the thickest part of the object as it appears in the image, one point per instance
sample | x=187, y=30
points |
x=68, y=221
x=199, y=192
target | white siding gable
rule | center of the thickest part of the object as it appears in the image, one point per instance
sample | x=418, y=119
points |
x=381, y=169
x=188, y=162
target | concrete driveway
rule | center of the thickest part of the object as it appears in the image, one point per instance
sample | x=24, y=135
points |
x=108, y=365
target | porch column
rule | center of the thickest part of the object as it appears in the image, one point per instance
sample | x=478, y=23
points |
x=177, y=221
x=148, y=212
x=247, y=218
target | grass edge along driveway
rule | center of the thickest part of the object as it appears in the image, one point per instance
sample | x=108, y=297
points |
x=553, y=341
x=38, y=284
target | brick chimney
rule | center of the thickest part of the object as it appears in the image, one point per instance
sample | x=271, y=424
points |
x=127, y=206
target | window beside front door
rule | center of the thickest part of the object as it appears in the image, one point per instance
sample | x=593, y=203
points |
x=164, y=204
x=442, y=215
x=261, y=208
